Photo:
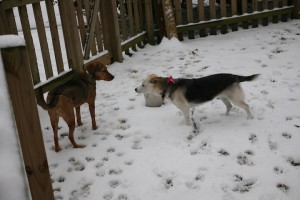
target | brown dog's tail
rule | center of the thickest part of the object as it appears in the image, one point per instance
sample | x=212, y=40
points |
x=41, y=101
x=247, y=78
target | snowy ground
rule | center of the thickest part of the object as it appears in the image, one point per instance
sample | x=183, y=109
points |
x=142, y=153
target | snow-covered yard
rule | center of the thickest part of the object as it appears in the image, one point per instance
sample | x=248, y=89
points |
x=143, y=153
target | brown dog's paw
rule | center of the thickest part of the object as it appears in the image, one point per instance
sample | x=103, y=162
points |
x=95, y=127
x=57, y=149
x=79, y=146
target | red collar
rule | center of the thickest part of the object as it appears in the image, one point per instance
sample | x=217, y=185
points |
x=171, y=80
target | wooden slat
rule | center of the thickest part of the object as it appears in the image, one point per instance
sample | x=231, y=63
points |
x=212, y=10
x=91, y=38
x=189, y=13
x=254, y=8
x=223, y=14
x=43, y=39
x=123, y=21
x=136, y=16
x=131, y=21
x=54, y=36
x=71, y=35
x=234, y=12
x=12, y=26
x=16, y=3
x=27, y=122
x=245, y=10
x=142, y=14
x=29, y=43
x=201, y=12
x=99, y=33
x=284, y=16
x=111, y=32
x=3, y=21
x=265, y=21
x=80, y=19
x=275, y=17
x=149, y=21
x=178, y=16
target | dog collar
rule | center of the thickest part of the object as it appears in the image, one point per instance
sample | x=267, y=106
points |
x=171, y=80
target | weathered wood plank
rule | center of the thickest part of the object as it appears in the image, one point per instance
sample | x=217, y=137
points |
x=201, y=12
x=275, y=17
x=212, y=10
x=223, y=14
x=91, y=39
x=265, y=20
x=71, y=35
x=12, y=26
x=29, y=129
x=296, y=13
x=16, y=3
x=29, y=42
x=149, y=22
x=80, y=19
x=245, y=24
x=189, y=13
x=234, y=12
x=43, y=39
x=54, y=36
x=254, y=9
x=131, y=21
x=178, y=16
x=111, y=31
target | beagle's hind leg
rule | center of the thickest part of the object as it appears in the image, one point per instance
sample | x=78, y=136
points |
x=236, y=95
x=227, y=104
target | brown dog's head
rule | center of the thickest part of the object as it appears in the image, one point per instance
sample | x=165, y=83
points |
x=152, y=84
x=99, y=71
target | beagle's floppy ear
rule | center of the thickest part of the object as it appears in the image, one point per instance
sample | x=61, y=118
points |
x=155, y=80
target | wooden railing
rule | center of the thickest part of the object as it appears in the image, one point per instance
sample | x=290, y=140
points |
x=17, y=72
x=222, y=15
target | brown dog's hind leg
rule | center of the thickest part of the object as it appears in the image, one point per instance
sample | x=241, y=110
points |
x=78, y=116
x=69, y=117
x=54, y=118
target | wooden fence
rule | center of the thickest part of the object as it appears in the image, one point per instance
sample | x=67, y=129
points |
x=72, y=33
x=212, y=18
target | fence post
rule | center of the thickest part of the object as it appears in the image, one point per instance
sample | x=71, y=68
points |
x=297, y=9
x=170, y=22
x=71, y=34
x=20, y=87
x=111, y=33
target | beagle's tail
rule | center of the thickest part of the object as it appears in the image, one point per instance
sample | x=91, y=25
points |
x=247, y=78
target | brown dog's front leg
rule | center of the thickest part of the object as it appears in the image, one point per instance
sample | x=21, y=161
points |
x=78, y=116
x=71, y=135
x=92, y=112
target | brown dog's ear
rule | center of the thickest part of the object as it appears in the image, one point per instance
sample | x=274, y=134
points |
x=91, y=68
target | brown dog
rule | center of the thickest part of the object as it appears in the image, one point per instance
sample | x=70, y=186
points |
x=79, y=90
